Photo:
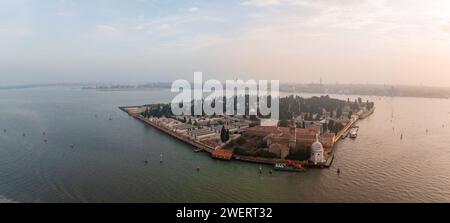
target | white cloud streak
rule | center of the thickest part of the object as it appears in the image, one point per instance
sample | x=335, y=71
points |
x=105, y=29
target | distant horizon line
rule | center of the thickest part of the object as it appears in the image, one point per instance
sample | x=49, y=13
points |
x=49, y=84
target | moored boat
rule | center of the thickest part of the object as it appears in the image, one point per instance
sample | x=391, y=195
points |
x=353, y=132
x=291, y=168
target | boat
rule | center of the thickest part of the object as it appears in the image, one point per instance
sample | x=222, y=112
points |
x=291, y=168
x=198, y=150
x=354, y=132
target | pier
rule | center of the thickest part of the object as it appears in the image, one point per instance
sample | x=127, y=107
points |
x=339, y=135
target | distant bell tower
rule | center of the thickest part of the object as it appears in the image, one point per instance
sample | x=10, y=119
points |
x=292, y=135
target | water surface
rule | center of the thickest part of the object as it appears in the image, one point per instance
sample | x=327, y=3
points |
x=107, y=161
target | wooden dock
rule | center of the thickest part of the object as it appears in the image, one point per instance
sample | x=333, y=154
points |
x=262, y=160
x=326, y=164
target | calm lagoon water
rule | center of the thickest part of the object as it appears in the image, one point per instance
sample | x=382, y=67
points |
x=106, y=163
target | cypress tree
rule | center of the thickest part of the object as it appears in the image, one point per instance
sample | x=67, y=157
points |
x=223, y=133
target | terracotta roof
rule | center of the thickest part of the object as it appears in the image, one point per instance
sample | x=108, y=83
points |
x=282, y=146
x=300, y=132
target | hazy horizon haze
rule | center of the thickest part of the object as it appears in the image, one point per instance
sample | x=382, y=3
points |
x=348, y=41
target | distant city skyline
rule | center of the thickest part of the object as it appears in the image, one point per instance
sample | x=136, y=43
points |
x=348, y=41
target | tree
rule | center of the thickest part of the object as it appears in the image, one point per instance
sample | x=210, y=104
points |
x=337, y=127
x=262, y=144
x=241, y=141
x=223, y=134
x=301, y=153
x=146, y=113
x=355, y=106
x=331, y=126
x=339, y=112
x=325, y=126
x=321, y=113
x=283, y=123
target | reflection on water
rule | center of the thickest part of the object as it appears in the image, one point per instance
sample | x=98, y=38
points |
x=107, y=161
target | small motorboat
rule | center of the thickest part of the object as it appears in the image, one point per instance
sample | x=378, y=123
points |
x=354, y=132
x=291, y=168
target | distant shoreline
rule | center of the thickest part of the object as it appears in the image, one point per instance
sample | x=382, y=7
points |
x=324, y=89
x=355, y=94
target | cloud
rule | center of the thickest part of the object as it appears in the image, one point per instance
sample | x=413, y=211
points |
x=261, y=3
x=178, y=24
x=388, y=20
x=105, y=29
x=193, y=9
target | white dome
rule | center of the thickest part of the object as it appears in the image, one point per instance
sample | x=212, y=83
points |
x=316, y=152
x=316, y=147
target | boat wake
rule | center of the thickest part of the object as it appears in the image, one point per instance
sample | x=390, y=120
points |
x=4, y=199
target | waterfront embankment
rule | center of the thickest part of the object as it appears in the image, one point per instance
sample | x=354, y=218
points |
x=228, y=154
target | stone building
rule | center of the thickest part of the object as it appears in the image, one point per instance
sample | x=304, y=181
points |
x=317, y=152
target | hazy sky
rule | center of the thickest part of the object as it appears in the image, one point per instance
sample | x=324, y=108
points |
x=346, y=41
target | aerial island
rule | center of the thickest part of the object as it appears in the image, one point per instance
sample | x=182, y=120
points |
x=303, y=137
